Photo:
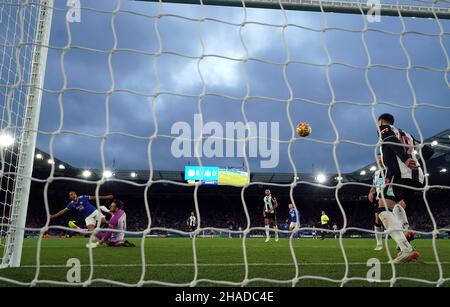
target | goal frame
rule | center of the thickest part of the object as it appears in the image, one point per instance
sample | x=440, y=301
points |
x=27, y=144
x=329, y=6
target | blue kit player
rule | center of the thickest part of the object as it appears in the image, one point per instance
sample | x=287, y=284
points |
x=293, y=219
x=84, y=208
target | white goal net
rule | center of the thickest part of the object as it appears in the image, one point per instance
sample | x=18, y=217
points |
x=94, y=95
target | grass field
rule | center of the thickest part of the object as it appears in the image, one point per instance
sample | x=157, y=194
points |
x=171, y=260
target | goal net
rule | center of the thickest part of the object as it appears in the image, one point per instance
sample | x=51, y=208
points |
x=118, y=97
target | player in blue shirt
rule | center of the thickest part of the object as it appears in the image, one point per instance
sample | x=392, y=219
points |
x=84, y=208
x=293, y=219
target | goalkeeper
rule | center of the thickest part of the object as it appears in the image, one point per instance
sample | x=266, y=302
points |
x=118, y=222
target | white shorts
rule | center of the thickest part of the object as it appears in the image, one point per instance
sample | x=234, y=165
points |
x=292, y=225
x=95, y=217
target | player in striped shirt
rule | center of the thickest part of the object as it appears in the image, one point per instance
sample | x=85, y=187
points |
x=269, y=214
x=192, y=223
x=402, y=168
x=374, y=196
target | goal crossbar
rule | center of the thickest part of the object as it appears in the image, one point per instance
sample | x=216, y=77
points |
x=347, y=7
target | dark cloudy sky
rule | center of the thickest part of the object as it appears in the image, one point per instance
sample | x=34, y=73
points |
x=131, y=121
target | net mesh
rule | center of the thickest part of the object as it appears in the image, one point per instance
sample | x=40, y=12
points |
x=17, y=33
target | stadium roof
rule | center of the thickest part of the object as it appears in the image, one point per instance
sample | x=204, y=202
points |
x=438, y=162
x=435, y=167
x=443, y=143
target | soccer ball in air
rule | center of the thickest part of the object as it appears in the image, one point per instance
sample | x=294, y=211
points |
x=303, y=129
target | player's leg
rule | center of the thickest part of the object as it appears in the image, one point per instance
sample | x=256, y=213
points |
x=267, y=228
x=120, y=243
x=399, y=209
x=116, y=244
x=275, y=227
x=129, y=244
x=393, y=194
x=378, y=227
x=400, y=214
x=191, y=232
x=96, y=218
x=91, y=221
x=294, y=227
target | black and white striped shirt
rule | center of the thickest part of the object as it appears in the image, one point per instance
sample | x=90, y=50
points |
x=192, y=221
x=378, y=182
x=269, y=204
x=398, y=146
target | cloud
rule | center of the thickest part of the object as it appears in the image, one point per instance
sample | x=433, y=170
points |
x=131, y=113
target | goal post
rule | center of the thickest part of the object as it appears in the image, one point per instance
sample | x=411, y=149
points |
x=26, y=143
x=329, y=6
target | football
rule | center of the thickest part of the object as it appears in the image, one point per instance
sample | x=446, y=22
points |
x=303, y=129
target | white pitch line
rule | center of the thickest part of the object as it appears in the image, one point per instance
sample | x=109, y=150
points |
x=214, y=264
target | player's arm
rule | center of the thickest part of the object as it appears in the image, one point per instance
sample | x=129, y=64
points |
x=60, y=213
x=104, y=220
x=275, y=203
x=371, y=193
x=112, y=225
x=107, y=197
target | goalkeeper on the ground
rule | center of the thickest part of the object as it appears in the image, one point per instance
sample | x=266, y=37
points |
x=118, y=223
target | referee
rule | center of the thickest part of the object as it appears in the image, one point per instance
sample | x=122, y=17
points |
x=324, y=219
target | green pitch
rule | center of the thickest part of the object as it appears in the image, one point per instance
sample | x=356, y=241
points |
x=171, y=260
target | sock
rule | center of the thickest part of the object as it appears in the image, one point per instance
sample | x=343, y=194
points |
x=400, y=215
x=390, y=223
x=379, y=236
x=276, y=232
x=267, y=231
